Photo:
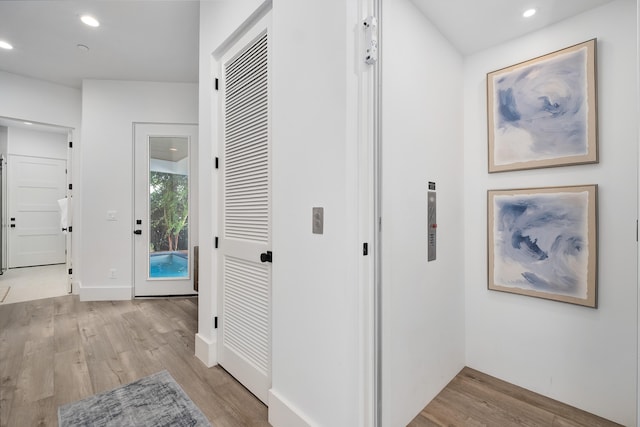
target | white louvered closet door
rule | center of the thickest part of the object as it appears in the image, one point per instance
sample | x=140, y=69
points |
x=244, y=335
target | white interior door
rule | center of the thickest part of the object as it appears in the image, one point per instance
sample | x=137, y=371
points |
x=244, y=249
x=35, y=186
x=163, y=224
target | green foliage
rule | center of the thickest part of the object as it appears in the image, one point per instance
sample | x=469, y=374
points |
x=169, y=209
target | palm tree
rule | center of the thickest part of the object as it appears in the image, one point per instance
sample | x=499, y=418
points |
x=169, y=209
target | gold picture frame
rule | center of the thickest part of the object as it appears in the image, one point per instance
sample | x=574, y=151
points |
x=542, y=242
x=543, y=112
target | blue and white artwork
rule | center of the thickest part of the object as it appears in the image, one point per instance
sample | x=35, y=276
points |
x=541, y=110
x=541, y=242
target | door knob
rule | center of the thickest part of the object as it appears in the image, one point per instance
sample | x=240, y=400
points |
x=137, y=232
x=266, y=256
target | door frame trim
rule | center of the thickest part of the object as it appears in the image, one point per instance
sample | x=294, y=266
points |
x=193, y=235
x=249, y=31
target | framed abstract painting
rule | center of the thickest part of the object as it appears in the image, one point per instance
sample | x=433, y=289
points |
x=542, y=112
x=542, y=242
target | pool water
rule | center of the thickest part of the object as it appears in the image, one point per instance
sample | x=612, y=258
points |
x=168, y=264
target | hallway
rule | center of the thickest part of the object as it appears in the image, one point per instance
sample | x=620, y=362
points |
x=59, y=350
x=32, y=283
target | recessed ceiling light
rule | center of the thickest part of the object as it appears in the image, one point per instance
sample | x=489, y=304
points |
x=5, y=45
x=529, y=13
x=83, y=47
x=27, y=123
x=90, y=20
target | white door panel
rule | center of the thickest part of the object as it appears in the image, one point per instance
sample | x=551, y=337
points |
x=35, y=186
x=245, y=279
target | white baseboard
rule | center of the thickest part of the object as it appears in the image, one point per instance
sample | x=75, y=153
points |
x=111, y=293
x=206, y=351
x=283, y=414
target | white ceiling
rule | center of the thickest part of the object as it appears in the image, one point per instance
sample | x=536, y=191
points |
x=137, y=40
x=171, y=149
x=157, y=40
x=475, y=25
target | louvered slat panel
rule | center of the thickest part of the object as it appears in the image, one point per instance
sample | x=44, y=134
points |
x=246, y=145
x=246, y=298
x=244, y=67
x=245, y=335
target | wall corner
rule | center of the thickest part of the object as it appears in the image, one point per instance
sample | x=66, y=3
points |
x=206, y=350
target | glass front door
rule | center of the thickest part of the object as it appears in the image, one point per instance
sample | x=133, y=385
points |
x=168, y=207
x=163, y=220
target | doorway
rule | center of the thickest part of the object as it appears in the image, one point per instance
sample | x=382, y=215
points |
x=244, y=343
x=163, y=222
x=36, y=185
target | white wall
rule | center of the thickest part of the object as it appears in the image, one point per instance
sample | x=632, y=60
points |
x=423, y=302
x=109, y=109
x=39, y=101
x=43, y=102
x=582, y=356
x=218, y=20
x=314, y=298
x=26, y=142
x=562, y=353
x=316, y=306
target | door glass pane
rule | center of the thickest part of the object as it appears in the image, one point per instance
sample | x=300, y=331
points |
x=168, y=207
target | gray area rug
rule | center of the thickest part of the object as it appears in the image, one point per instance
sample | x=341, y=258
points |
x=156, y=400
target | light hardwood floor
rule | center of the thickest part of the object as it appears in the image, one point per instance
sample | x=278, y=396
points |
x=58, y=350
x=476, y=399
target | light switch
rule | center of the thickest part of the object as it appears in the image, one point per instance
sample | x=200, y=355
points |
x=112, y=215
x=318, y=221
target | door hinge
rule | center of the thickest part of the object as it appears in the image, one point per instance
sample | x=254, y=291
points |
x=371, y=40
x=215, y=242
x=70, y=144
x=365, y=249
x=215, y=322
x=215, y=83
x=70, y=186
x=217, y=163
x=71, y=271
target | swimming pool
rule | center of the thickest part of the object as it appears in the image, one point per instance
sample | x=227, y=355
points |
x=168, y=264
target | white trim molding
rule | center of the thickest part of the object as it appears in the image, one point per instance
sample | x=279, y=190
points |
x=104, y=293
x=207, y=350
x=283, y=414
